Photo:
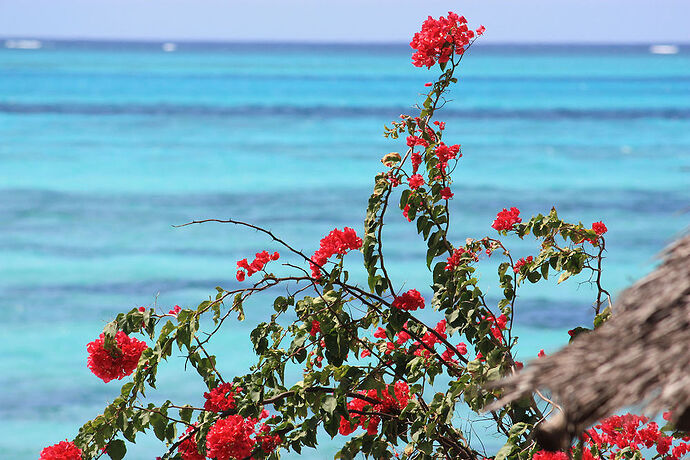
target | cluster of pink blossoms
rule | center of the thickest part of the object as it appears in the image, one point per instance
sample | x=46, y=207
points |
x=506, y=219
x=428, y=342
x=231, y=438
x=188, y=448
x=455, y=260
x=64, y=450
x=414, y=141
x=521, y=262
x=440, y=37
x=315, y=328
x=445, y=193
x=222, y=397
x=411, y=300
x=336, y=242
x=259, y=262
x=599, y=228
x=416, y=159
x=387, y=404
x=415, y=181
x=118, y=362
x=625, y=433
x=446, y=153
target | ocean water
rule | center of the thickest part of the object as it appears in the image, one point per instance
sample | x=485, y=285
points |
x=104, y=147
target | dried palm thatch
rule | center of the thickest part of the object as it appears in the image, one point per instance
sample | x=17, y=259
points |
x=639, y=356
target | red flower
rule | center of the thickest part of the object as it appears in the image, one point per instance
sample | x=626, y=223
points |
x=175, y=310
x=259, y=262
x=541, y=353
x=446, y=194
x=502, y=322
x=221, y=398
x=406, y=211
x=521, y=262
x=445, y=153
x=116, y=363
x=230, y=438
x=415, y=181
x=455, y=260
x=599, y=228
x=365, y=353
x=439, y=39
x=544, y=455
x=414, y=140
x=416, y=159
x=411, y=300
x=268, y=442
x=188, y=448
x=480, y=30
x=64, y=450
x=380, y=333
x=336, y=242
x=506, y=219
x=315, y=328
x=387, y=403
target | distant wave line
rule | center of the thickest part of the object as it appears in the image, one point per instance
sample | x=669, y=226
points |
x=342, y=78
x=339, y=112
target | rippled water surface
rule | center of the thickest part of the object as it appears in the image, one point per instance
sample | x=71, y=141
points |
x=103, y=147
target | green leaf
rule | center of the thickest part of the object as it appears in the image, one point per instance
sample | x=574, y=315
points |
x=505, y=451
x=116, y=449
x=329, y=404
x=564, y=276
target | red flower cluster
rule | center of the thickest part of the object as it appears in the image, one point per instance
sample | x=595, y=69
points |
x=188, y=448
x=445, y=153
x=439, y=38
x=222, y=397
x=336, y=242
x=411, y=300
x=416, y=159
x=446, y=194
x=429, y=341
x=449, y=354
x=455, y=260
x=64, y=450
x=415, y=181
x=259, y=262
x=175, y=311
x=624, y=433
x=236, y=437
x=406, y=211
x=387, y=404
x=599, y=228
x=506, y=219
x=497, y=325
x=521, y=262
x=116, y=363
x=414, y=140
x=544, y=455
x=628, y=431
x=315, y=328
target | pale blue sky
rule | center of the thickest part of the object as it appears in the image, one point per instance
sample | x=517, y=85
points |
x=579, y=21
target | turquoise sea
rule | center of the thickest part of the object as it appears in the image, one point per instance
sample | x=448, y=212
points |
x=105, y=146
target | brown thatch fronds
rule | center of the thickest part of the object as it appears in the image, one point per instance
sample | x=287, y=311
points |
x=639, y=356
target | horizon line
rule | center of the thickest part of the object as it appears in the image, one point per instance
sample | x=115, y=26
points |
x=203, y=41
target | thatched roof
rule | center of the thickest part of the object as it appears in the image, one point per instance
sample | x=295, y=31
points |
x=639, y=356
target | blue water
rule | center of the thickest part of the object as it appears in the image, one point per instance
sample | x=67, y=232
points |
x=103, y=147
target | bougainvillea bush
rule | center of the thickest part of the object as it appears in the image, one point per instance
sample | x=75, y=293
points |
x=372, y=374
